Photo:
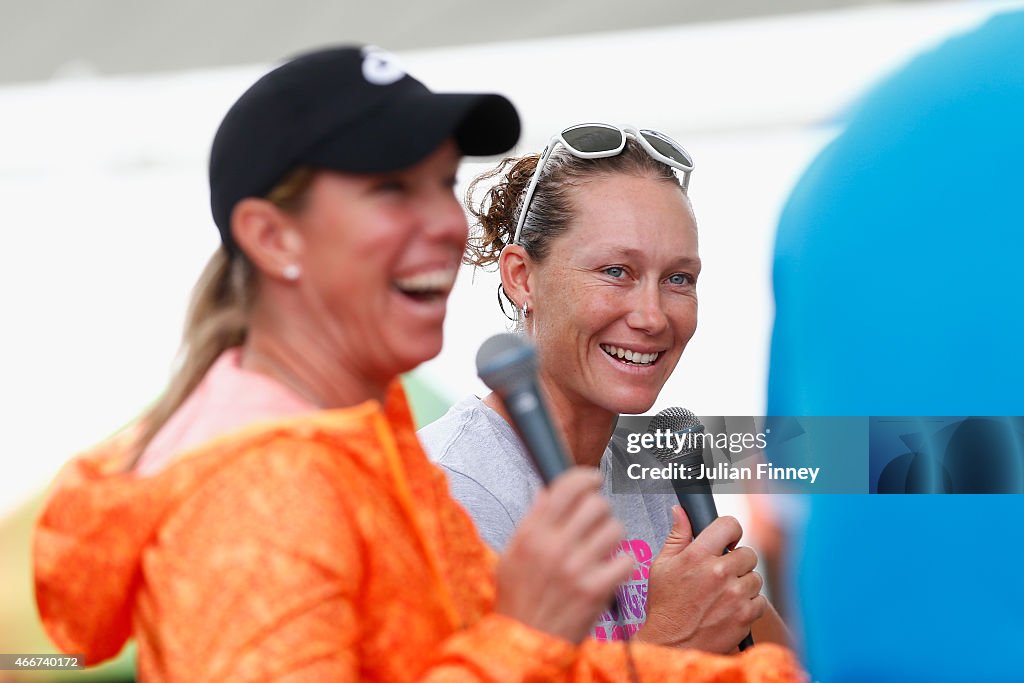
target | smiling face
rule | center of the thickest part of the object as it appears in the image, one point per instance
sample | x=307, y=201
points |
x=614, y=303
x=379, y=257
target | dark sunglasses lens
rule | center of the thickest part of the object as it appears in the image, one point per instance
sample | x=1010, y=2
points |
x=666, y=148
x=592, y=138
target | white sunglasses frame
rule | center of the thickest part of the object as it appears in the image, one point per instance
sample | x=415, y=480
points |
x=625, y=131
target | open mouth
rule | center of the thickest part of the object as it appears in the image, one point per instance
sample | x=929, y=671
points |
x=630, y=357
x=428, y=286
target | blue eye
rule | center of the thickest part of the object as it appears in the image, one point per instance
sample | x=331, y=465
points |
x=680, y=279
x=615, y=271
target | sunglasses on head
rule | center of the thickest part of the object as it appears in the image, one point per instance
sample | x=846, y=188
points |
x=600, y=140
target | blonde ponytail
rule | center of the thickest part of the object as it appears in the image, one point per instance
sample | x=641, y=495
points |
x=218, y=317
x=217, y=320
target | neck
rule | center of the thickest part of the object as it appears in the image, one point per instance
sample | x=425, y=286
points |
x=585, y=430
x=294, y=353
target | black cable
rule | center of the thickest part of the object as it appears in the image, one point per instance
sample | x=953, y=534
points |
x=634, y=676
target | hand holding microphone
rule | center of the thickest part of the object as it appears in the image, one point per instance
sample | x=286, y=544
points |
x=696, y=597
x=559, y=570
x=731, y=588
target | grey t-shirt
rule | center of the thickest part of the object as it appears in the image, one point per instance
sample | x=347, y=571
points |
x=493, y=477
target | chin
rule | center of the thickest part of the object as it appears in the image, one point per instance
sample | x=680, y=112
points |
x=631, y=404
x=413, y=355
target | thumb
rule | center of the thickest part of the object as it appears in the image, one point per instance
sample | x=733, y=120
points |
x=721, y=534
x=682, y=533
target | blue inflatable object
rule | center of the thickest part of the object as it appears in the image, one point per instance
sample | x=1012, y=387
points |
x=898, y=280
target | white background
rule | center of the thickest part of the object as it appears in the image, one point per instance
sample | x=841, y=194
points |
x=104, y=202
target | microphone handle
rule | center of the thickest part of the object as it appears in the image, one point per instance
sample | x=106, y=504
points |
x=533, y=422
x=696, y=499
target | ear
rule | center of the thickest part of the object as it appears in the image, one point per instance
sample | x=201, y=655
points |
x=516, y=266
x=268, y=236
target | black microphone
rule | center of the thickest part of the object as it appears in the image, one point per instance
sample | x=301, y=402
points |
x=692, y=489
x=507, y=364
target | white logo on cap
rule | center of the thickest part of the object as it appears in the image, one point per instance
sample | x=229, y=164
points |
x=381, y=67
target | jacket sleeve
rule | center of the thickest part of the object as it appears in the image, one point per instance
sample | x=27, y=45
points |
x=606, y=662
x=252, y=578
x=258, y=575
x=500, y=649
x=263, y=585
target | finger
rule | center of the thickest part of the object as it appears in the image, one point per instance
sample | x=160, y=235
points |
x=602, y=579
x=536, y=515
x=746, y=588
x=757, y=580
x=719, y=535
x=589, y=564
x=679, y=538
x=757, y=607
x=541, y=533
x=596, y=547
x=740, y=561
x=682, y=533
x=591, y=512
x=567, y=490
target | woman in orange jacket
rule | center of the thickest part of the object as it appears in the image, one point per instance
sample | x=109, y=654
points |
x=273, y=517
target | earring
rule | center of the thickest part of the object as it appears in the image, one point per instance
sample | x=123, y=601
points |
x=291, y=272
x=526, y=309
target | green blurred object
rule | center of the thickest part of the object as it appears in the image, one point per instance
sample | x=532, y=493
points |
x=427, y=403
x=19, y=621
x=20, y=629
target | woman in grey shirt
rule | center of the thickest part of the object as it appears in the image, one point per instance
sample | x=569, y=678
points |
x=596, y=243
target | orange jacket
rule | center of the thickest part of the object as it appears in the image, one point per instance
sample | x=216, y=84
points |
x=317, y=548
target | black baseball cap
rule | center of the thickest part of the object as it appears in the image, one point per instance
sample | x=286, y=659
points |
x=350, y=109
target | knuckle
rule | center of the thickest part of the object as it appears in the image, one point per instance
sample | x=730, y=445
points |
x=719, y=570
x=573, y=564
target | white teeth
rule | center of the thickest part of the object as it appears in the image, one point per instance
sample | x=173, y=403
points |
x=634, y=357
x=432, y=281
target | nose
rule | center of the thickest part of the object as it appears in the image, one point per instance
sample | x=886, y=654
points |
x=647, y=312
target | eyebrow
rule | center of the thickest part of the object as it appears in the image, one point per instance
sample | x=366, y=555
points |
x=631, y=253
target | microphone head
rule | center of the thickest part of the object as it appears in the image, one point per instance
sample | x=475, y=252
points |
x=677, y=420
x=504, y=361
